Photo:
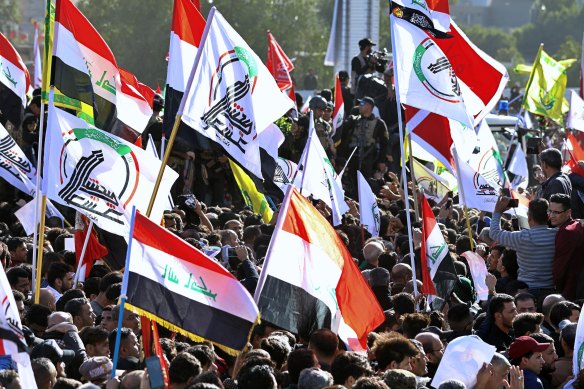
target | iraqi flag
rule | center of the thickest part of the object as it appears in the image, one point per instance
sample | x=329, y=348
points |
x=438, y=273
x=179, y=287
x=14, y=82
x=230, y=90
x=185, y=37
x=339, y=109
x=279, y=64
x=309, y=279
x=85, y=71
x=99, y=174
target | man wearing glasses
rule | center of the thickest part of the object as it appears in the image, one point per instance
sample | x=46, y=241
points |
x=535, y=247
x=567, y=267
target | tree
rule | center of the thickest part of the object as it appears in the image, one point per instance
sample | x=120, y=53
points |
x=9, y=14
x=137, y=31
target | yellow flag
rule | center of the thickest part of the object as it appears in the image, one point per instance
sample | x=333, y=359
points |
x=544, y=94
x=252, y=197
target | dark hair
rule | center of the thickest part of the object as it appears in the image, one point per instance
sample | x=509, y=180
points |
x=526, y=323
x=370, y=383
x=13, y=243
x=74, y=306
x=7, y=377
x=126, y=333
x=457, y=314
x=298, y=360
x=390, y=347
x=206, y=380
x=538, y=210
x=18, y=296
x=278, y=349
x=256, y=377
x=91, y=286
x=568, y=335
x=524, y=296
x=509, y=260
x=13, y=274
x=413, y=323
x=113, y=292
x=552, y=157
x=66, y=383
x=403, y=303
x=349, y=364
x=561, y=311
x=324, y=341
x=514, y=285
x=68, y=296
x=38, y=314
x=56, y=271
x=99, y=270
x=183, y=367
x=110, y=278
x=93, y=335
x=168, y=348
x=497, y=303
x=563, y=199
x=203, y=353
x=42, y=368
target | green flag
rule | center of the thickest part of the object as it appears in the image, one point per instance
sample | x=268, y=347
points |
x=544, y=94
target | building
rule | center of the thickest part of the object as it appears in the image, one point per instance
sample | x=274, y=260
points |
x=353, y=20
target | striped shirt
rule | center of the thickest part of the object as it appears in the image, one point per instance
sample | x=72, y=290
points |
x=535, y=251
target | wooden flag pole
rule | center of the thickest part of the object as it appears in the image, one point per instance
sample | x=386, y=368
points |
x=179, y=113
x=39, y=262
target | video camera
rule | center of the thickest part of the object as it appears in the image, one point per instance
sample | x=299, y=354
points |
x=379, y=59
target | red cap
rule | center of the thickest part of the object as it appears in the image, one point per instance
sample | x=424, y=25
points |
x=524, y=345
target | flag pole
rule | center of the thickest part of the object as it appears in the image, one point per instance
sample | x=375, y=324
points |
x=37, y=196
x=461, y=196
x=83, y=250
x=306, y=151
x=415, y=193
x=39, y=264
x=123, y=294
x=179, y=113
x=403, y=158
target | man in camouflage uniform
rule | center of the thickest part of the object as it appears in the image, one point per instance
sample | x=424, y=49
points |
x=369, y=135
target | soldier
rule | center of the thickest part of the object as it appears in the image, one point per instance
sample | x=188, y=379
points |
x=323, y=129
x=369, y=135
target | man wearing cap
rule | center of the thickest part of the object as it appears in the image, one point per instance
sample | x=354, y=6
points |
x=369, y=135
x=526, y=353
x=360, y=64
x=50, y=349
x=323, y=129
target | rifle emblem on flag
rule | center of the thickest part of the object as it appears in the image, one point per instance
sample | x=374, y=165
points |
x=81, y=187
x=428, y=56
x=6, y=146
x=226, y=113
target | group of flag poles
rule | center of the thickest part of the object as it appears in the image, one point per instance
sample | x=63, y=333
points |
x=41, y=196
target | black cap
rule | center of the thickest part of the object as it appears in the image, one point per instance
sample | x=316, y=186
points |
x=317, y=102
x=367, y=99
x=366, y=42
x=50, y=349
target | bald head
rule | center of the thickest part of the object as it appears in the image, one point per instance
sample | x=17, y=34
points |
x=433, y=346
x=401, y=273
x=549, y=302
x=372, y=251
x=47, y=299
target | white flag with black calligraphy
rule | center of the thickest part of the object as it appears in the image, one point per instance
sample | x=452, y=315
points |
x=232, y=97
x=15, y=167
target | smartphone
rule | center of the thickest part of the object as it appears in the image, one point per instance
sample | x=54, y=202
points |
x=532, y=146
x=155, y=372
x=513, y=203
x=448, y=204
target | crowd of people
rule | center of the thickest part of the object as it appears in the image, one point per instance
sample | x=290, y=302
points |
x=530, y=315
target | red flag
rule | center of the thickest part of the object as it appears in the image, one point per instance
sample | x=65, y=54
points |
x=292, y=94
x=94, y=250
x=577, y=141
x=339, y=110
x=158, y=88
x=432, y=132
x=279, y=64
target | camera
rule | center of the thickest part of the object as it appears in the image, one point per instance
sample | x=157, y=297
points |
x=380, y=59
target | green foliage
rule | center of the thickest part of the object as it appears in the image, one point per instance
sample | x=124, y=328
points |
x=301, y=27
x=137, y=31
x=9, y=14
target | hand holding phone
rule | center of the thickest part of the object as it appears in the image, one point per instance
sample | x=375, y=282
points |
x=155, y=372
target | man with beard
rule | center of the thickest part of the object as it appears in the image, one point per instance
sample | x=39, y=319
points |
x=549, y=357
x=497, y=329
x=434, y=350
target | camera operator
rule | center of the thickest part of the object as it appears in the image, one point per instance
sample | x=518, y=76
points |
x=362, y=63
